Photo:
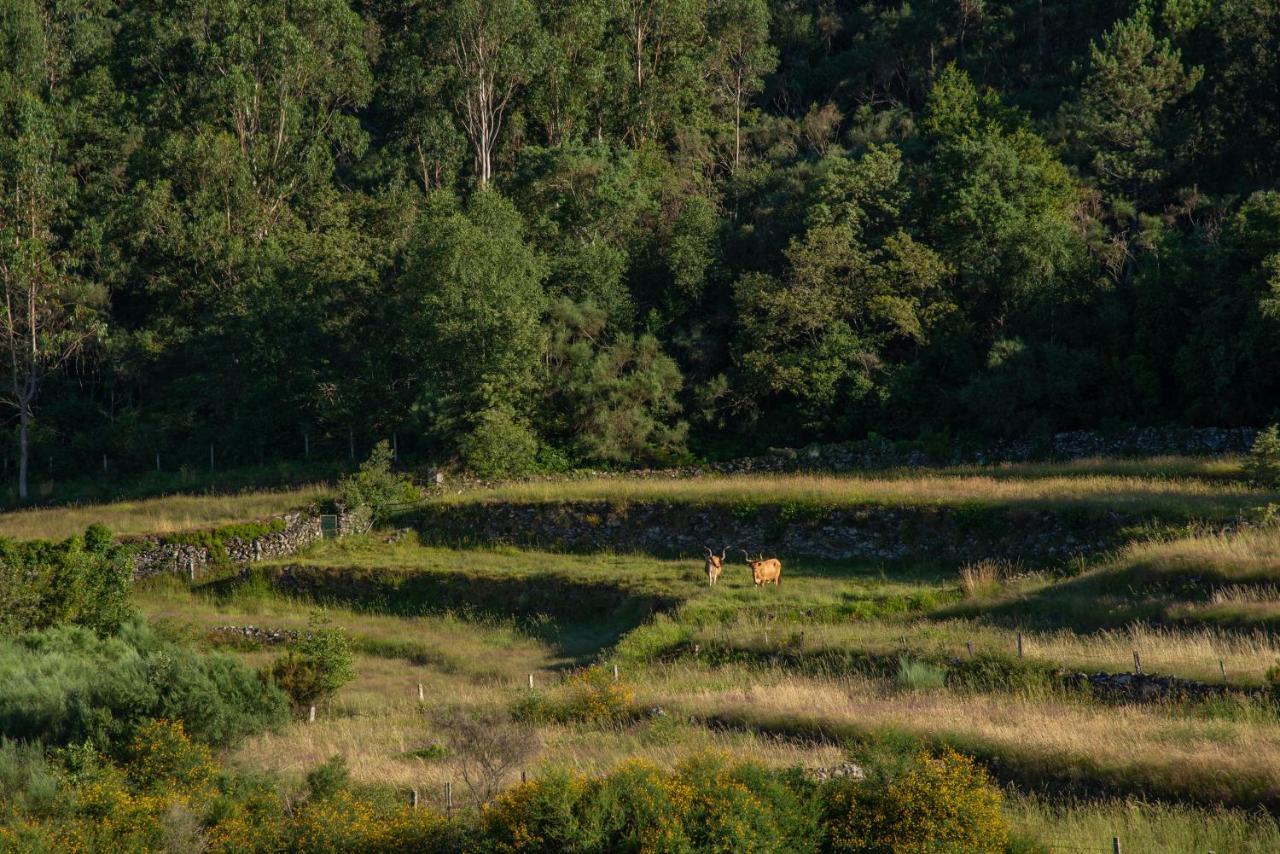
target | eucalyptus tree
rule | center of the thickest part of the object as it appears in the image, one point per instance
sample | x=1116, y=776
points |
x=50, y=312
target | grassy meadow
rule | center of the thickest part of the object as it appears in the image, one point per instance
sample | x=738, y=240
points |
x=1170, y=490
x=160, y=515
x=840, y=661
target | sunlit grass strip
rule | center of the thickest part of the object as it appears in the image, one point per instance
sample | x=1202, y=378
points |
x=1122, y=493
x=1202, y=654
x=1141, y=826
x=1032, y=740
x=166, y=515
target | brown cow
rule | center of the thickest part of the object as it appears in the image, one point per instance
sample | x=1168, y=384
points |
x=764, y=570
x=715, y=565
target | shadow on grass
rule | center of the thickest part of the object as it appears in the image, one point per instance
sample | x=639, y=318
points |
x=577, y=618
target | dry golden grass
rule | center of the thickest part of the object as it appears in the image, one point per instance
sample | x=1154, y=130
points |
x=166, y=515
x=1249, y=555
x=1129, y=493
x=1192, y=653
x=1129, y=745
x=377, y=725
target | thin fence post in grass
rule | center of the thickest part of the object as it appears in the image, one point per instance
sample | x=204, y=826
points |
x=421, y=696
x=615, y=673
x=522, y=777
x=1019, y=644
x=311, y=715
x=1137, y=663
x=530, y=681
x=413, y=798
x=1222, y=667
x=1115, y=845
x=448, y=799
x=969, y=646
x=191, y=567
x=766, y=637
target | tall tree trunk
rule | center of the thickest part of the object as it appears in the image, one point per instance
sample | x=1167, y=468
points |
x=24, y=450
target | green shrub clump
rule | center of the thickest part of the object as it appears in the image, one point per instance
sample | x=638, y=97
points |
x=499, y=444
x=589, y=696
x=937, y=803
x=1263, y=462
x=67, y=685
x=375, y=490
x=317, y=665
x=81, y=581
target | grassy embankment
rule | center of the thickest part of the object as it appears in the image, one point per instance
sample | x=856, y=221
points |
x=166, y=515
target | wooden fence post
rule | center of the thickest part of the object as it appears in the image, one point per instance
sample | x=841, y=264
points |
x=413, y=798
x=448, y=799
x=1019, y=644
x=421, y=697
x=615, y=673
x=1115, y=845
x=1137, y=663
x=531, y=681
x=311, y=716
x=969, y=646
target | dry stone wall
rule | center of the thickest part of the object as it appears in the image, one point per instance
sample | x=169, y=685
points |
x=852, y=533
x=158, y=555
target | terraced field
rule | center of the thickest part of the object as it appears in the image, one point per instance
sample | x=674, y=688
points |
x=1014, y=666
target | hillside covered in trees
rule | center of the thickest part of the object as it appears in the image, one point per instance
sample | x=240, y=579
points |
x=630, y=231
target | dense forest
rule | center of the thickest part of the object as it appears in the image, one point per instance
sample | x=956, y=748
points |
x=588, y=232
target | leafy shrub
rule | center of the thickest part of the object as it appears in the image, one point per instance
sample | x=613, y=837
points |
x=638, y=808
x=329, y=778
x=374, y=490
x=67, y=685
x=319, y=663
x=1263, y=463
x=589, y=696
x=743, y=807
x=942, y=803
x=595, y=697
x=161, y=754
x=539, y=815
x=499, y=445
x=81, y=581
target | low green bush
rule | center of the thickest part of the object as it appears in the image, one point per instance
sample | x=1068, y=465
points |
x=937, y=803
x=318, y=663
x=990, y=671
x=1263, y=463
x=68, y=685
x=81, y=581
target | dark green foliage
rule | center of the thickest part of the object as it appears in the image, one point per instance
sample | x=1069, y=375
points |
x=328, y=778
x=82, y=581
x=375, y=489
x=67, y=685
x=1263, y=463
x=319, y=663
x=627, y=233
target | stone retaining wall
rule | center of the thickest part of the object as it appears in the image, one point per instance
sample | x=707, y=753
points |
x=853, y=533
x=158, y=555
